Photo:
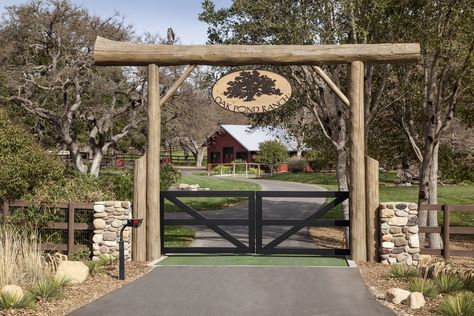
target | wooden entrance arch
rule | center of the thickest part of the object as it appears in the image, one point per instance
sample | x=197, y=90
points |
x=112, y=53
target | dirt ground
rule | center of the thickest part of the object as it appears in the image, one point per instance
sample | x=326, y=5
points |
x=78, y=295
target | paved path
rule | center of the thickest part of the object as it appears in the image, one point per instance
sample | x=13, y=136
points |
x=273, y=208
x=241, y=291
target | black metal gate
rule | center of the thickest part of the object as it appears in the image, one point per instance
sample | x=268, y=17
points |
x=213, y=224
x=255, y=222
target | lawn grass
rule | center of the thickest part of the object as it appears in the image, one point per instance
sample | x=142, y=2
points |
x=214, y=184
x=461, y=194
x=178, y=236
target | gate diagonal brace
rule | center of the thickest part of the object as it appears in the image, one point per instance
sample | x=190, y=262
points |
x=320, y=213
x=215, y=228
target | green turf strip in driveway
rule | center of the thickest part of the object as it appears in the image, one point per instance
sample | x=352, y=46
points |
x=253, y=260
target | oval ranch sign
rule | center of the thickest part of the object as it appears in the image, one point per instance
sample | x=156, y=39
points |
x=251, y=91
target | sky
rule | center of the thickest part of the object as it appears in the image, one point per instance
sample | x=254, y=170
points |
x=154, y=16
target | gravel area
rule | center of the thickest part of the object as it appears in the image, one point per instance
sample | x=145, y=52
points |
x=78, y=295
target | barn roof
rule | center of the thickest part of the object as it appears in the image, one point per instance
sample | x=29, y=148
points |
x=250, y=137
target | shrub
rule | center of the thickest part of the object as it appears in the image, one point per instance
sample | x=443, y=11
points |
x=9, y=301
x=321, y=160
x=455, y=165
x=403, y=271
x=297, y=165
x=425, y=286
x=461, y=304
x=449, y=283
x=273, y=153
x=469, y=283
x=120, y=184
x=24, y=165
x=222, y=169
x=240, y=166
x=21, y=259
x=169, y=176
x=50, y=288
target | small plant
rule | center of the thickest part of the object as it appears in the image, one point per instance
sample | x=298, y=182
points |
x=403, y=271
x=469, y=283
x=461, y=304
x=424, y=286
x=448, y=283
x=80, y=255
x=50, y=288
x=106, y=261
x=10, y=301
x=94, y=267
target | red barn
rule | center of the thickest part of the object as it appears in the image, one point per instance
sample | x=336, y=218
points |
x=241, y=142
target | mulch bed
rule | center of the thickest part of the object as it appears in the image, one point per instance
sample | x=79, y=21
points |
x=378, y=280
x=78, y=295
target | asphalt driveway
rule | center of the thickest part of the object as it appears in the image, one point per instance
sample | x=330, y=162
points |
x=245, y=291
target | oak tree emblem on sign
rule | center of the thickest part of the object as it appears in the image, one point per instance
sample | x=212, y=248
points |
x=251, y=91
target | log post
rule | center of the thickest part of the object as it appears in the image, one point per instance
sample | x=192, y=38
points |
x=357, y=186
x=153, y=244
x=139, y=209
x=372, y=205
x=446, y=212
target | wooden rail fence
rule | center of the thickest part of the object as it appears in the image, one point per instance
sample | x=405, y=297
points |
x=70, y=226
x=447, y=230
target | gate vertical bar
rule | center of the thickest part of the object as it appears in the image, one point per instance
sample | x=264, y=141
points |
x=446, y=216
x=251, y=218
x=162, y=222
x=357, y=183
x=258, y=222
x=153, y=242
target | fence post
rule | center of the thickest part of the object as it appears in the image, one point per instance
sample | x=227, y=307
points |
x=246, y=170
x=446, y=212
x=233, y=169
x=70, y=230
x=372, y=204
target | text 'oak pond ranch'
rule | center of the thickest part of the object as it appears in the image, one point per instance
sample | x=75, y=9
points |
x=251, y=91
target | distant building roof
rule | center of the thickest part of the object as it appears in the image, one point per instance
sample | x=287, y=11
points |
x=250, y=137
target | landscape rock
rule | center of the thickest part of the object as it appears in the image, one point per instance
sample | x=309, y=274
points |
x=398, y=221
x=13, y=290
x=396, y=295
x=99, y=223
x=414, y=241
x=76, y=271
x=416, y=300
x=99, y=208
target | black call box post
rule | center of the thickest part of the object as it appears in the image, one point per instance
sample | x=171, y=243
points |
x=134, y=223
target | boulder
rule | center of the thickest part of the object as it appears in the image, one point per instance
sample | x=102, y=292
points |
x=13, y=290
x=74, y=270
x=416, y=300
x=396, y=295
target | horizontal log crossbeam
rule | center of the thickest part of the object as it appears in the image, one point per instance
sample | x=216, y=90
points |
x=113, y=53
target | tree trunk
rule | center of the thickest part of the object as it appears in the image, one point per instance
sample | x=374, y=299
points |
x=76, y=157
x=200, y=156
x=95, y=167
x=341, y=176
x=299, y=153
x=434, y=239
